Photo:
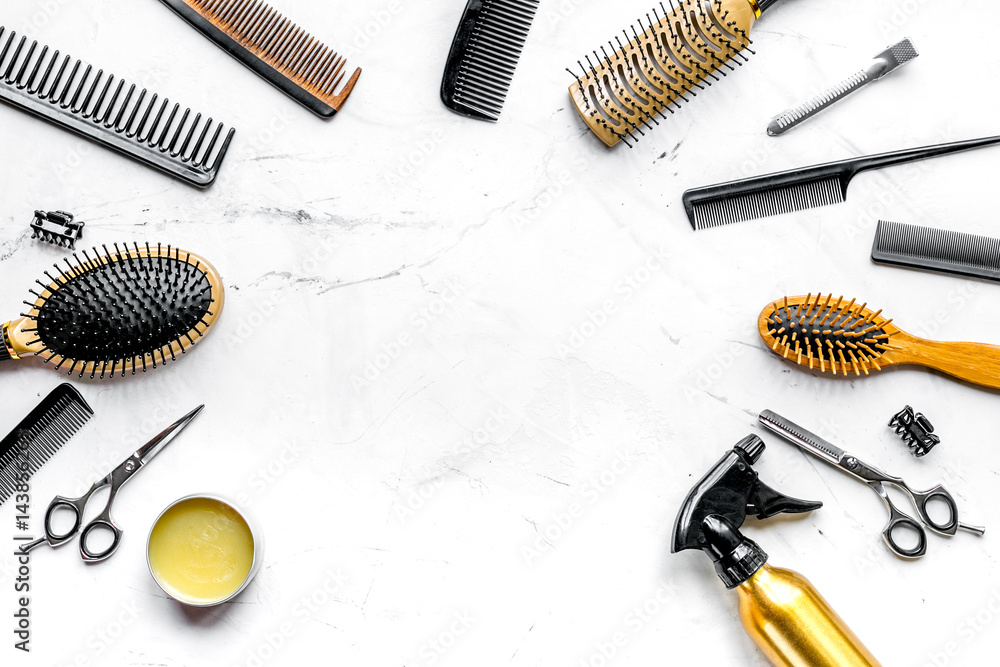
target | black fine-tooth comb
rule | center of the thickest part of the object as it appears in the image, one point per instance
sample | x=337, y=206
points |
x=93, y=106
x=956, y=253
x=799, y=189
x=484, y=55
x=40, y=435
x=274, y=48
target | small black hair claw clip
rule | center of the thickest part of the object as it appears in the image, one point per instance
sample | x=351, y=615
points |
x=915, y=430
x=57, y=228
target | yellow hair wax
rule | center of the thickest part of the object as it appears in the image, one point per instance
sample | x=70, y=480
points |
x=201, y=551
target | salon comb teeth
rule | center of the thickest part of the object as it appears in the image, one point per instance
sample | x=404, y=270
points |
x=943, y=251
x=40, y=435
x=277, y=50
x=484, y=55
x=70, y=95
x=800, y=189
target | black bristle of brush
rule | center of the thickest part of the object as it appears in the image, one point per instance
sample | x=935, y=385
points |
x=484, y=55
x=40, y=435
x=939, y=250
x=114, y=306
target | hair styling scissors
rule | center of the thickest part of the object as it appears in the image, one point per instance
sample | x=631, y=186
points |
x=115, y=479
x=876, y=479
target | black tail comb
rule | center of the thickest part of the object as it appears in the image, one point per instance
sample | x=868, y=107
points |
x=799, y=189
x=484, y=55
x=40, y=435
x=141, y=126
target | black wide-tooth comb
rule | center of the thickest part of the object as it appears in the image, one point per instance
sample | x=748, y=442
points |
x=274, y=48
x=956, y=253
x=118, y=310
x=93, y=106
x=40, y=435
x=484, y=55
x=799, y=189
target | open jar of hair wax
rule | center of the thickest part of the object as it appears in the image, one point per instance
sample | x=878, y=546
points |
x=203, y=551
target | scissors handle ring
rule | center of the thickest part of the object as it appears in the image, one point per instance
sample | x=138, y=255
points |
x=101, y=522
x=896, y=522
x=920, y=500
x=62, y=503
x=898, y=519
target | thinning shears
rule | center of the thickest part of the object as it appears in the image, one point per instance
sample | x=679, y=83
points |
x=103, y=521
x=876, y=479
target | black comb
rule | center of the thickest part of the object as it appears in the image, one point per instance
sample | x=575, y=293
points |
x=70, y=95
x=956, y=253
x=40, y=435
x=799, y=189
x=484, y=55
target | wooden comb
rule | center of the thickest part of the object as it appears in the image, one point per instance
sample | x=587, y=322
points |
x=674, y=57
x=837, y=336
x=277, y=50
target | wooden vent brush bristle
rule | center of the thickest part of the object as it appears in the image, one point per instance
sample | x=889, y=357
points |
x=840, y=337
x=126, y=309
x=676, y=52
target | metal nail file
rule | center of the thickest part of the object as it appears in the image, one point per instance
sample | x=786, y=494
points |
x=889, y=60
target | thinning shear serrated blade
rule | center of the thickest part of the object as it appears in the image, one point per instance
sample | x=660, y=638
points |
x=802, y=438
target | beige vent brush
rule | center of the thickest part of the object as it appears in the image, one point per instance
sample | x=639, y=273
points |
x=841, y=337
x=675, y=56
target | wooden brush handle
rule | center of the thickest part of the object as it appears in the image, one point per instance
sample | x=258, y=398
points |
x=978, y=363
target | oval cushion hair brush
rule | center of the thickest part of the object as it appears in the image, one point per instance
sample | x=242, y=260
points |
x=125, y=309
x=841, y=337
x=666, y=62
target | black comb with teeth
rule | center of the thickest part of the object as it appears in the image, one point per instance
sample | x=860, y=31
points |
x=72, y=96
x=955, y=253
x=484, y=55
x=799, y=189
x=40, y=435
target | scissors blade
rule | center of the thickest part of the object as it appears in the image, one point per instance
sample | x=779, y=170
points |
x=802, y=438
x=153, y=447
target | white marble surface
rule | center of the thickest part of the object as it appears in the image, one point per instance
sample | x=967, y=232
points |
x=406, y=385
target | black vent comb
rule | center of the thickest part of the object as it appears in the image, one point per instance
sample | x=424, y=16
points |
x=70, y=95
x=799, y=189
x=956, y=253
x=40, y=435
x=274, y=48
x=484, y=55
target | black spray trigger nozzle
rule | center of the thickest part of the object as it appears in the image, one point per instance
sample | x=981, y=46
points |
x=731, y=490
x=765, y=502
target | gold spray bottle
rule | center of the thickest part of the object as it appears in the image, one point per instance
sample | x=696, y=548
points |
x=781, y=611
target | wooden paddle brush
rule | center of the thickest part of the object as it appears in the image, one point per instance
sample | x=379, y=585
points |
x=118, y=310
x=676, y=55
x=834, y=335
